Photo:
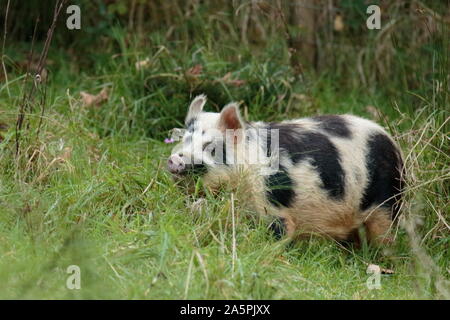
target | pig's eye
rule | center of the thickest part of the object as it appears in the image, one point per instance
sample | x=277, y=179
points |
x=206, y=145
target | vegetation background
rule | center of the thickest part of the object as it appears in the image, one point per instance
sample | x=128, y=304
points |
x=83, y=116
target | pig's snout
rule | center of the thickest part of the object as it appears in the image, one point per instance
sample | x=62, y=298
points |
x=175, y=164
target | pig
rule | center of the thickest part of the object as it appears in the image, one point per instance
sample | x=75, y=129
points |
x=328, y=175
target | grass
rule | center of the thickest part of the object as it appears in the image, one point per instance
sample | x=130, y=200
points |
x=91, y=189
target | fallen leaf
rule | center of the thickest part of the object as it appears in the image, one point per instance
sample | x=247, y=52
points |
x=94, y=100
x=338, y=23
x=195, y=70
x=234, y=82
x=237, y=82
x=142, y=64
x=371, y=268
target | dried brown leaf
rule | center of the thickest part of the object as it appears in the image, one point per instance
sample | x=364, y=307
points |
x=94, y=100
x=142, y=64
x=375, y=267
x=339, y=23
x=237, y=82
x=233, y=82
x=195, y=70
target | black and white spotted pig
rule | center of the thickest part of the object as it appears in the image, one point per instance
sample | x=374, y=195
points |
x=334, y=173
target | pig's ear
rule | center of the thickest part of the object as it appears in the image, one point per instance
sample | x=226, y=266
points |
x=196, y=107
x=230, y=117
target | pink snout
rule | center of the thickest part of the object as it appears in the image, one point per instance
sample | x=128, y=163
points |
x=175, y=164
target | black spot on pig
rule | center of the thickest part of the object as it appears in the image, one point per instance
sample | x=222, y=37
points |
x=334, y=125
x=190, y=125
x=384, y=168
x=304, y=145
x=280, y=188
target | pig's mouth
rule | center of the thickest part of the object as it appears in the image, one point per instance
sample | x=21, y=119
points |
x=191, y=171
x=181, y=175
